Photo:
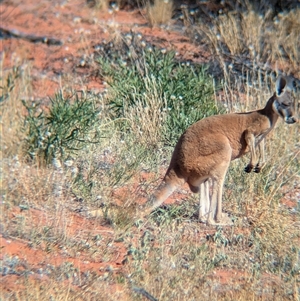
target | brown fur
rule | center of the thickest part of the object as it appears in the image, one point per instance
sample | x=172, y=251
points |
x=203, y=153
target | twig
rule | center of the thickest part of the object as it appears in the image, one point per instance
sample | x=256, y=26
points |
x=32, y=38
x=144, y=293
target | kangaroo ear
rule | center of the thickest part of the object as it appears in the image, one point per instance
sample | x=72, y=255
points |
x=280, y=85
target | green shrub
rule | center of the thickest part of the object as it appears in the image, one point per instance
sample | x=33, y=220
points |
x=147, y=76
x=66, y=127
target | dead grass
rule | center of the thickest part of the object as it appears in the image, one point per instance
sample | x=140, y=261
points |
x=16, y=86
x=258, y=38
x=148, y=116
x=36, y=289
x=160, y=12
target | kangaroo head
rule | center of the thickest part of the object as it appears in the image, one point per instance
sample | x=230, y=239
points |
x=284, y=104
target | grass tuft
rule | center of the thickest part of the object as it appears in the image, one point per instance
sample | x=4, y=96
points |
x=160, y=12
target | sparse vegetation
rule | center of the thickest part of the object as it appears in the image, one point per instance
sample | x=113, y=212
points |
x=73, y=214
x=159, y=96
x=251, y=40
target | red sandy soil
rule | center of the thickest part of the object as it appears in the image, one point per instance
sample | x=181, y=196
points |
x=38, y=258
x=53, y=67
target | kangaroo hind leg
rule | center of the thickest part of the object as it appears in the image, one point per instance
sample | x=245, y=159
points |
x=218, y=173
x=204, y=201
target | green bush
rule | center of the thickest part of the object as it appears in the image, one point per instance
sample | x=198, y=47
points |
x=184, y=91
x=67, y=126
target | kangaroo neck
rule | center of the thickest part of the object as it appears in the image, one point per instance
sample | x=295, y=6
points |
x=269, y=112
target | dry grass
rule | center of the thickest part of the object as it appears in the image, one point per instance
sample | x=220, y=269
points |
x=160, y=12
x=288, y=31
x=17, y=86
x=148, y=116
x=258, y=39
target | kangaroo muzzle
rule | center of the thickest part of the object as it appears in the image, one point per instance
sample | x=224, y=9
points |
x=290, y=120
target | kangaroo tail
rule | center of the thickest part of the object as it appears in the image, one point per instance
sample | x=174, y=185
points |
x=170, y=183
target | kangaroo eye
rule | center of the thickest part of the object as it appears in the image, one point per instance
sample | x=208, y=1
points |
x=284, y=105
